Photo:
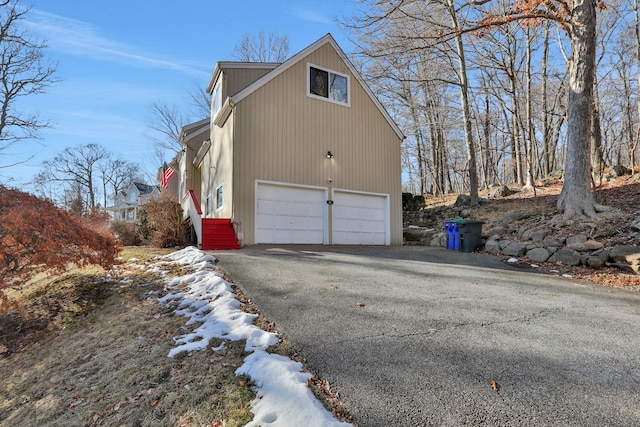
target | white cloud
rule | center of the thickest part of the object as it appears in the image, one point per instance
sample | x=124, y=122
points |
x=307, y=14
x=79, y=38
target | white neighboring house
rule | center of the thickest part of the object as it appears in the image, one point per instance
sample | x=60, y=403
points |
x=129, y=201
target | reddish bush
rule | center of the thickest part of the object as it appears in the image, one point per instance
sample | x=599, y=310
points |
x=99, y=221
x=36, y=236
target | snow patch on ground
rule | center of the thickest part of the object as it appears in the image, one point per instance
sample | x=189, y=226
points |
x=283, y=398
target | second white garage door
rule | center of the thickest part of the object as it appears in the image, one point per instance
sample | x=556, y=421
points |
x=290, y=214
x=360, y=219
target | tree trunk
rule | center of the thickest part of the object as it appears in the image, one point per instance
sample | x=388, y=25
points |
x=546, y=127
x=637, y=34
x=576, y=199
x=529, y=141
x=597, y=162
x=486, y=141
x=464, y=100
x=515, y=132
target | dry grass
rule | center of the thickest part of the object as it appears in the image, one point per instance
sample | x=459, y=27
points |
x=93, y=352
x=100, y=358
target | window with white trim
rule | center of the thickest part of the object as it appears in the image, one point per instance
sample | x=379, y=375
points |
x=327, y=84
x=216, y=98
x=207, y=207
x=219, y=197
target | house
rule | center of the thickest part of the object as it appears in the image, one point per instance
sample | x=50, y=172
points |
x=128, y=201
x=300, y=152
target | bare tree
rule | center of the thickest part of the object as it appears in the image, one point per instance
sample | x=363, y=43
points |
x=576, y=198
x=76, y=166
x=23, y=72
x=447, y=21
x=262, y=48
x=200, y=101
x=578, y=19
x=410, y=28
x=167, y=120
x=115, y=176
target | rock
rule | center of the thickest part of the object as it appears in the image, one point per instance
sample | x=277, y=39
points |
x=594, y=262
x=579, y=238
x=635, y=225
x=566, y=257
x=602, y=254
x=415, y=234
x=515, y=249
x=552, y=242
x=635, y=177
x=626, y=257
x=545, y=182
x=619, y=170
x=539, y=235
x=538, y=255
x=499, y=230
x=553, y=249
x=439, y=239
x=463, y=200
x=499, y=191
x=626, y=253
x=510, y=218
x=589, y=245
x=492, y=246
x=504, y=244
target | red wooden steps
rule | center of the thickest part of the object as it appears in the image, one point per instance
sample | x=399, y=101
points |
x=218, y=233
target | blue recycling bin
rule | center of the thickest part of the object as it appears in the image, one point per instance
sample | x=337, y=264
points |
x=453, y=234
x=463, y=235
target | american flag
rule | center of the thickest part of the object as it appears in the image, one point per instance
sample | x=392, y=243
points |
x=167, y=173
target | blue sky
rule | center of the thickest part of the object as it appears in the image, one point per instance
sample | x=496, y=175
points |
x=115, y=58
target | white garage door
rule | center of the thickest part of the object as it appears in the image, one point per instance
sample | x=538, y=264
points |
x=288, y=214
x=359, y=219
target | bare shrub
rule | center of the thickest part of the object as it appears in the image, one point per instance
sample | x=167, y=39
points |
x=161, y=222
x=126, y=233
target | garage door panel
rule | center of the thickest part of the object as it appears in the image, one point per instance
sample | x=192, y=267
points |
x=288, y=214
x=359, y=219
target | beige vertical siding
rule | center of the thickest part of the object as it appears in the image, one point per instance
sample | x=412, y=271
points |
x=283, y=135
x=193, y=179
x=239, y=75
x=217, y=169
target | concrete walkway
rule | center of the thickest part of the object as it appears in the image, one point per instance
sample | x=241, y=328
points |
x=415, y=336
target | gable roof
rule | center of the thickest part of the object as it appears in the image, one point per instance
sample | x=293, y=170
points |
x=224, y=65
x=328, y=38
x=191, y=128
x=145, y=188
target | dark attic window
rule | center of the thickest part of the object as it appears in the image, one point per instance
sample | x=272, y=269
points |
x=328, y=85
x=318, y=82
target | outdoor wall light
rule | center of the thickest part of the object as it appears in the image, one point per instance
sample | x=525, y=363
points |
x=329, y=155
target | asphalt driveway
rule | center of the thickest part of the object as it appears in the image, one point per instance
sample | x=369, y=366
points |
x=415, y=336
